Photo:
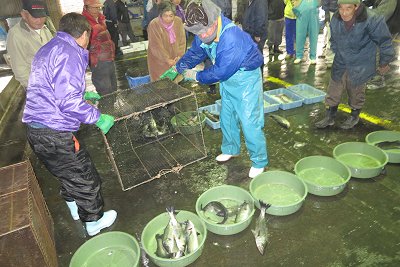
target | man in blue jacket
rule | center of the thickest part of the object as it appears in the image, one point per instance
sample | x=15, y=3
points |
x=356, y=32
x=236, y=65
x=55, y=108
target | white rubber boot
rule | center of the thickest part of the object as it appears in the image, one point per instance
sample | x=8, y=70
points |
x=108, y=218
x=73, y=209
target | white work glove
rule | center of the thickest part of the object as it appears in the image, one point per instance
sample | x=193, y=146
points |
x=190, y=75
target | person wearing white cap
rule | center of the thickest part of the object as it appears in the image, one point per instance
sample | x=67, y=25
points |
x=236, y=65
x=356, y=32
x=26, y=37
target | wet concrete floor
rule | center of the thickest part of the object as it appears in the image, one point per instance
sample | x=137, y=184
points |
x=358, y=227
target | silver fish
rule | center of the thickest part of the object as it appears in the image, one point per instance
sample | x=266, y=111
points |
x=244, y=212
x=261, y=232
x=177, y=229
x=387, y=145
x=212, y=117
x=192, y=238
x=281, y=121
x=216, y=208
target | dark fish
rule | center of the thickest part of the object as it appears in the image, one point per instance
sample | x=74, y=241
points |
x=216, y=208
x=386, y=145
x=281, y=121
x=261, y=231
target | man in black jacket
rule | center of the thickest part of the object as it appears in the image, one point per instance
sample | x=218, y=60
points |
x=276, y=23
x=124, y=22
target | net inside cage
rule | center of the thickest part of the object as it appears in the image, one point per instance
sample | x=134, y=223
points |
x=157, y=130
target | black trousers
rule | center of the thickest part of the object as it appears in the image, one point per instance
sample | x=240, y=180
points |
x=112, y=28
x=79, y=179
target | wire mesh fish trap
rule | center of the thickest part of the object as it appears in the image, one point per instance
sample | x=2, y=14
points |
x=157, y=130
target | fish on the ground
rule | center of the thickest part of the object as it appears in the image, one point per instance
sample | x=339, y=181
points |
x=192, y=239
x=281, y=121
x=244, y=212
x=261, y=231
x=217, y=208
x=387, y=145
x=211, y=116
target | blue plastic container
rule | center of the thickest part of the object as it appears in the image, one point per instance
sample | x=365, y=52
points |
x=309, y=94
x=136, y=81
x=297, y=100
x=213, y=109
x=272, y=104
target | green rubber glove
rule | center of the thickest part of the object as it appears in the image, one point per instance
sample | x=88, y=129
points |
x=171, y=73
x=105, y=122
x=91, y=96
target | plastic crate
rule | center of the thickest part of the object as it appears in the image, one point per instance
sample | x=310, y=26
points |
x=218, y=103
x=297, y=100
x=309, y=94
x=136, y=81
x=272, y=106
x=214, y=109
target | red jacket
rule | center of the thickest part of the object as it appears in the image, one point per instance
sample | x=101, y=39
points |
x=101, y=46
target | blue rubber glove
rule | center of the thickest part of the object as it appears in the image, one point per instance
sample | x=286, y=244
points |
x=91, y=96
x=105, y=122
x=190, y=75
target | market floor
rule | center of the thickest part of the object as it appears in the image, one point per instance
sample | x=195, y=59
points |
x=358, y=227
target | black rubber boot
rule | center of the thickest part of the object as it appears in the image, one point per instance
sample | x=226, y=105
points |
x=352, y=120
x=329, y=119
x=276, y=50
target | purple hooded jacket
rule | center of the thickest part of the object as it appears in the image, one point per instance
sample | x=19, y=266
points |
x=56, y=86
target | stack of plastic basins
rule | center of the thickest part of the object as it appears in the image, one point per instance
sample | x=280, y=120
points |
x=26, y=227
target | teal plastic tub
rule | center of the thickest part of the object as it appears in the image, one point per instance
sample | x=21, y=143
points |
x=157, y=226
x=108, y=249
x=324, y=176
x=283, y=190
x=225, y=194
x=380, y=138
x=364, y=160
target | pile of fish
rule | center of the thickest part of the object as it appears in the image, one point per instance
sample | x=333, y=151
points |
x=282, y=98
x=261, y=231
x=228, y=212
x=211, y=116
x=151, y=129
x=178, y=239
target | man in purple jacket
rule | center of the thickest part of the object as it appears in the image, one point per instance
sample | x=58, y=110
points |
x=55, y=108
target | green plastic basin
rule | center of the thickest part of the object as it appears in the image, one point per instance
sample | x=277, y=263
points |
x=179, y=122
x=363, y=160
x=223, y=194
x=382, y=136
x=157, y=226
x=324, y=176
x=283, y=190
x=108, y=249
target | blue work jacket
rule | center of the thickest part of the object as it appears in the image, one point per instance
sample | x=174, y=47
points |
x=235, y=50
x=355, y=49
